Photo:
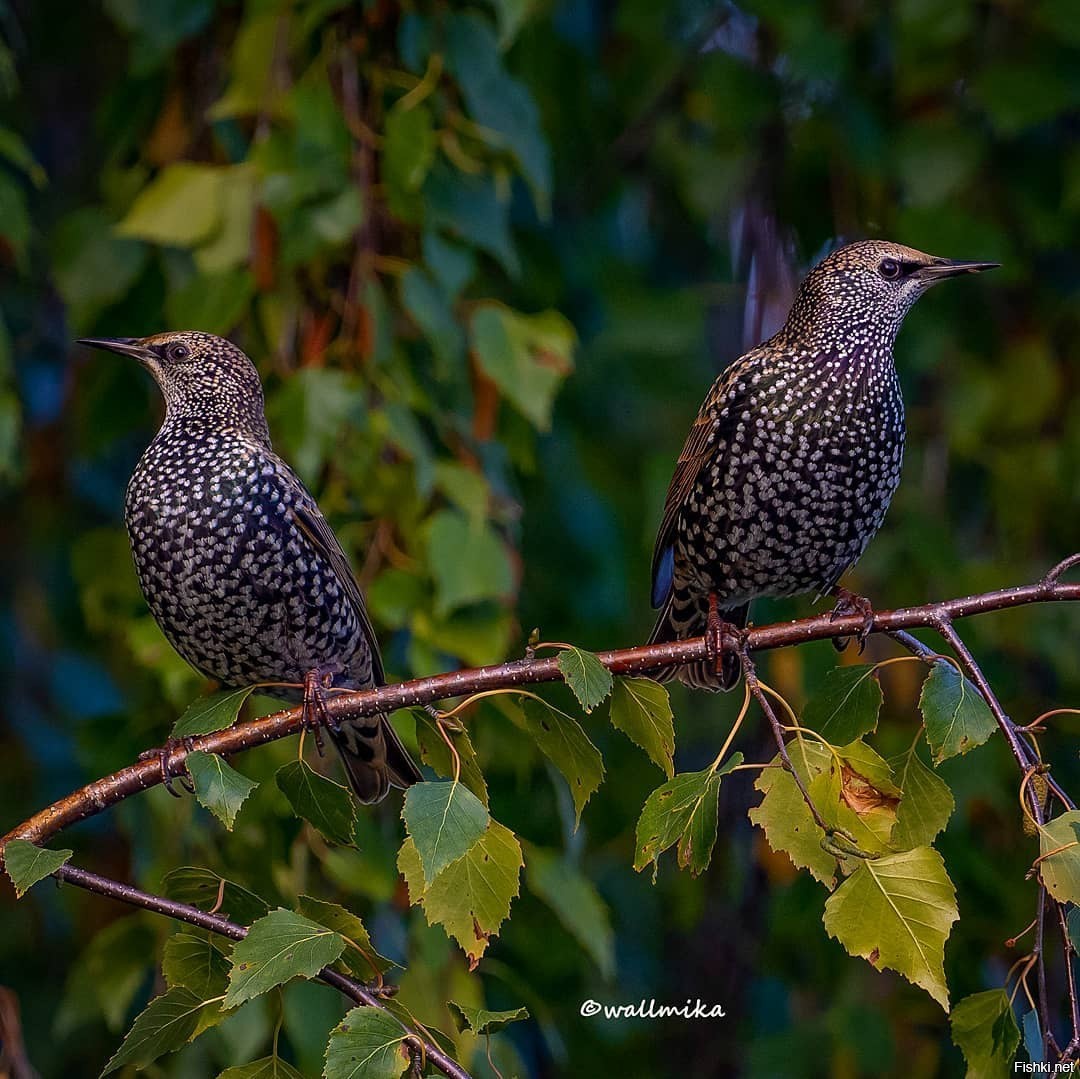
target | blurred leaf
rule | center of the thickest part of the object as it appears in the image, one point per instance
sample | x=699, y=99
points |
x=471, y=897
x=409, y=149
x=164, y=1026
x=430, y=308
x=163, y=24
x=576, y=903
x=15, y=225
x=26, y=863
x=211, y=713
x=213, y=302
x=956, y=717
x=180, y=208
x=641, y=709
x=784, y=816
x=526, y=356
x=362, y=960
x=266, y=1068
x=253, y=85
x=1034, y=1043
x=15, y=151
x=482, y=1021
x=367, y=1043
x=218, y=787
x=985, y=1030
x=278, y=947
x=846, y=706
x=682, y=811
x=561, y=739
x=469, y=208
x=194, y=963
x=586, y=676
x=444, y=820
x=1060, y=871
x=469, y=564
x=231, y=246
x=896, y=912
x=327, y=806
x=451, y=264
x=205, y=889
x=927, y=803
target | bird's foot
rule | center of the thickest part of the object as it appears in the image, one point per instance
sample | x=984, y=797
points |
x=850, y=603
x=162, y=754
x=316, y=718
x=716, y=630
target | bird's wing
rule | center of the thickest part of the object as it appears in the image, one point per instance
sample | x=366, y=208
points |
x=696, y=454
x=321, y=536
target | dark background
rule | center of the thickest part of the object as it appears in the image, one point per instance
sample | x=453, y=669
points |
x=631, y=166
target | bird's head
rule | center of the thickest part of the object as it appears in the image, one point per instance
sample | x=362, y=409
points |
x=200, y=375
x=869, y=286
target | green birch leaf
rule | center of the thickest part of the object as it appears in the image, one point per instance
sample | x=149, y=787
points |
x=682, y=811
x=927, y=803
x=471, y=897
x=166, y=1024
x=576, y=903
x=784, y=816
x=985, y=1031
x=641, y=709
x=1060, y=871
x=192, y=962
x=360, y=955
x=482, y=1021
x=561, y=739
x=956, y=717
x=444, y=819
x=207, y=890
x=327, y=806
x=586, y=676
x=434, y=751
x=279, y=947
x=846, y=706
x=266, y=1068
x=218, y=787
x=26, y=863
x=214, y=712
x=896, y=912
x=367, y=1044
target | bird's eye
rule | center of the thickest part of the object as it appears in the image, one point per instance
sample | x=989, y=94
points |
x=178, y=352
x=889, y=269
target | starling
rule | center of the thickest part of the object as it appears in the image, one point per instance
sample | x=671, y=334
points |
x=237, y=564
x=794, y=456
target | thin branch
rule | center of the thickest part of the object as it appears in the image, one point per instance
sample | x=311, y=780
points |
x=103, y=793
x=216, y=923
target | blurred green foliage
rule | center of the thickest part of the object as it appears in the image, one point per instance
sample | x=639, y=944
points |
x=488, y=259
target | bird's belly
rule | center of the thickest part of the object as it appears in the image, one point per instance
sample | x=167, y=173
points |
x=234, y=597
x=794, y=516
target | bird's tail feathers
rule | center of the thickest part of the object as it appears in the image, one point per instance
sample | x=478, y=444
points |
x=374, y=758
x=686, y=616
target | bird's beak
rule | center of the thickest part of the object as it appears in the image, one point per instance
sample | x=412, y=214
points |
x=125, y=346
x=939, y=269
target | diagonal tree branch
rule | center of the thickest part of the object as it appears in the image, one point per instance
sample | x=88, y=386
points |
x=98, y=796
x=215, y=923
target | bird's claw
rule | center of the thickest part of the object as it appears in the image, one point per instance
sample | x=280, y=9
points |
x=316, y=718
x=716, y=630
x=162, y=754
x=848, y=603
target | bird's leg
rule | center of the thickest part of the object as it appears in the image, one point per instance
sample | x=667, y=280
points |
x=850, y=603
x=315, y=715
x=716, y=629
x=162, y=754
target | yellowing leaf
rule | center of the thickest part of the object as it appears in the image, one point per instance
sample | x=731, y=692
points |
x=180, y=208
x=367, y=1044
x=444, y=820
x=470, y=897
x=896, y=912
x=1060, y=871
x=926, y=806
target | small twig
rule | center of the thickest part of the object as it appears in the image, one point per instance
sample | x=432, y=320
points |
x=216, y=923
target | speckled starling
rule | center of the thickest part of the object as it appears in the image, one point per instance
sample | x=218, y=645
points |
x=795, y=454
x=239, y=567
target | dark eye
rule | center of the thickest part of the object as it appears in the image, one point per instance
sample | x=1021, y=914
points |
x=178, y=352
x=889, y=269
